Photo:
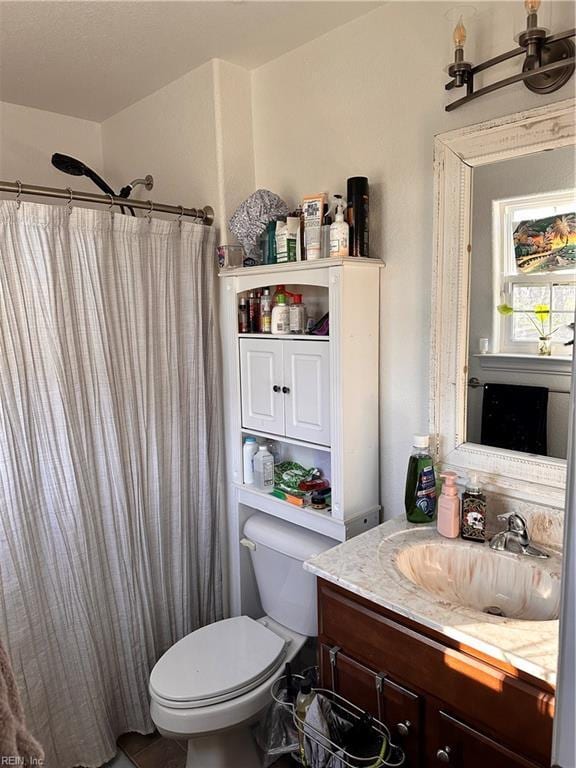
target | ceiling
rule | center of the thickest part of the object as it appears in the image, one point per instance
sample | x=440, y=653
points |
x=92, y=59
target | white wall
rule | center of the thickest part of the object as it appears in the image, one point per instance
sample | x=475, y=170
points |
x=194, y=136
x=367, y=98
x=170, y=134
x=29, y=137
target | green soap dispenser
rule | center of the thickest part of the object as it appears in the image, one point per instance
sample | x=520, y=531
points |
x=420, y=496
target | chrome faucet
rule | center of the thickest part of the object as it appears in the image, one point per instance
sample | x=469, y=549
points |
x=516, y=538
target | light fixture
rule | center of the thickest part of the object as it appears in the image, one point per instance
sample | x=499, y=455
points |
x=548, y=63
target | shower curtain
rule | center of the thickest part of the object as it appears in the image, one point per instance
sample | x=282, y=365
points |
x=111, y=463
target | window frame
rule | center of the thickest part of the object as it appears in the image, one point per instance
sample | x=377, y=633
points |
x=505, y=276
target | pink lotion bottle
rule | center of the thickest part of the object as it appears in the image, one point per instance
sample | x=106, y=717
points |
x=448, y=516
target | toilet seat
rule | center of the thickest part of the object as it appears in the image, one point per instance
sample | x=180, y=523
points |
x=217, y=663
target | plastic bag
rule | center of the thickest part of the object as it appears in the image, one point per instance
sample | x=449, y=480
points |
x=276, y=733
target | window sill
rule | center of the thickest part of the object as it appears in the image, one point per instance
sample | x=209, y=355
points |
x=508, y=361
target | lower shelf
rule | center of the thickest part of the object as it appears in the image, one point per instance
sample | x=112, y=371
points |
x=315, y=520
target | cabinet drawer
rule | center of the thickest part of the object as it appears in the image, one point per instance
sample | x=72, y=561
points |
x=470, y=687
x=400, y=709
x=460, y=746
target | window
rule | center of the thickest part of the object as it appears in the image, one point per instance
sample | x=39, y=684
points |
x=534, y=242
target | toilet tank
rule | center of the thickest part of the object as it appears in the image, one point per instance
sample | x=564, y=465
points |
x=287, y=591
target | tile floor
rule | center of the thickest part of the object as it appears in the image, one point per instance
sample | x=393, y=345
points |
x=153, y=751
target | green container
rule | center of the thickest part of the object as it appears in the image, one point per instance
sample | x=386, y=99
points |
x=420, y=495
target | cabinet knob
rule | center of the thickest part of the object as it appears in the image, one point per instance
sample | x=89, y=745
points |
x=276, y=388
x=443, y=755
x=404, y=728
x=286, y=390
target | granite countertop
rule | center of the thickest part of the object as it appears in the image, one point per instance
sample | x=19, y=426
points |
x=367, y=565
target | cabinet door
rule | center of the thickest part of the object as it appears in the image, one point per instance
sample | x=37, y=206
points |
x=307, y=390
x=397, y=707
x=402, y=711
x=460, y=746
x=261, y=374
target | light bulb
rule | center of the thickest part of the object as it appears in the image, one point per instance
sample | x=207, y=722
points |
x=459, y=35
x=531, y=6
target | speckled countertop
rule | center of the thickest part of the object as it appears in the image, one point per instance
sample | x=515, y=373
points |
x=369, y=565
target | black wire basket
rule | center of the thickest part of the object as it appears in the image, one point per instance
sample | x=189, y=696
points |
x=337, y=755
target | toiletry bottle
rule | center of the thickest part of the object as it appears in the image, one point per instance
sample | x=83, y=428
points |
x=420, y=495
x=339, y=230
x=252, y=313
x=243, y=325
x=357, y=193
x=297, y=314
x=448, y=517
x=281, y=241
x=292, y=234
x=281, y=316
x=271, y=231
x=473, y=512
x=303, y=701
x=264, y=470
x=266, y=311
x=249, y=448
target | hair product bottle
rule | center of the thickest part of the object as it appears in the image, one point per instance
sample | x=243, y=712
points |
x=357, y=193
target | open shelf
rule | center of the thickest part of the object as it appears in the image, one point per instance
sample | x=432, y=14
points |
x=294, y=336
x=298, y=266
x=288, y=440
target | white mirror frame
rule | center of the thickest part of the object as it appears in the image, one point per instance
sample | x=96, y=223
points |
x=514, y=474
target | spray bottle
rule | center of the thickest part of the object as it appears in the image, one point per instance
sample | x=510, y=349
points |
x=339, y=230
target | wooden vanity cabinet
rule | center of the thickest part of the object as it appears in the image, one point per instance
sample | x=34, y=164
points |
x=445, y=703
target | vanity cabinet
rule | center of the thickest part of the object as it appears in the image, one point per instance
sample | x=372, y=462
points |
x=444, y=703
x=285, y=386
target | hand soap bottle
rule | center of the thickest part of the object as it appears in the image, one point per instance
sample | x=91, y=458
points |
x=448, y=516
x=473, y=512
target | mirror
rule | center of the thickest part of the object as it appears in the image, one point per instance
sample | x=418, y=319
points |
x=522, y=299
x=499, y=187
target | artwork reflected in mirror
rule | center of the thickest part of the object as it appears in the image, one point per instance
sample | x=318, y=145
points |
x=522, y=303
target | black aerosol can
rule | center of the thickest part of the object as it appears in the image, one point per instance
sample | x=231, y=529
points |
x=357, y=215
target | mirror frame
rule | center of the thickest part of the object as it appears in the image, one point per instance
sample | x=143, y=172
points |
x=514, y=474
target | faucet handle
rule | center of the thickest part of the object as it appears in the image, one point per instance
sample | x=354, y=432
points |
x=516, y=523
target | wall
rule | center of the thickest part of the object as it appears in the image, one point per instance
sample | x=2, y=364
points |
x=367, y=98
x=170, y=134
x=29, y=137
x=542, y=172
x=194, y=136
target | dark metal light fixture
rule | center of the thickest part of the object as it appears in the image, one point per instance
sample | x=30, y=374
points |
x=549, y=60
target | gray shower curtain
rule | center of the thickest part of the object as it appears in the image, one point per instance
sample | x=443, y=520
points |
x=111, y=463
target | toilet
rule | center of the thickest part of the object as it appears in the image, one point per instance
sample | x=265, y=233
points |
x=212, y=685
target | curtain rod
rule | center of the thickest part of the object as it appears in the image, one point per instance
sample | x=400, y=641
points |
x=475, y=384
x=206, y=214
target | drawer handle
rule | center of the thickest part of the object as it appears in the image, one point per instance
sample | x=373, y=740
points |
x=276, y=388
x=443, y=755
x=286, y=390
x=404, y=728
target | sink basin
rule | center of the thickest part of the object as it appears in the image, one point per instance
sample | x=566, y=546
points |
x=478, y=578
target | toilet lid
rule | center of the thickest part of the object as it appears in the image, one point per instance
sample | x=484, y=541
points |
x=216, y=663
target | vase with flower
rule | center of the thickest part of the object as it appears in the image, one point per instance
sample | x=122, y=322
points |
x=540, y=319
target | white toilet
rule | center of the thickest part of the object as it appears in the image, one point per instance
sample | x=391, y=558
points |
x=212, y=685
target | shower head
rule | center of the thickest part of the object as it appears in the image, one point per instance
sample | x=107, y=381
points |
x=74, y=167
x=68, y=164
